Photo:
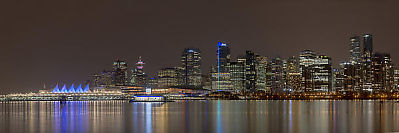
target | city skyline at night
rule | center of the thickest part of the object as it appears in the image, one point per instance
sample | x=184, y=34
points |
x=66, y=44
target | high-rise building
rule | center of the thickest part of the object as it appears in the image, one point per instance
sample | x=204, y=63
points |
x=353, y=79
x=322, y=76
x=306, y=60
x=355, y=55
x=339, y=79
x=260, y=68
x=250, y=71
x=237, y=73
x=277, y=77
x=223, y=57
x=120, y=75
x=396, y=80
x=382, y=73
x=103, y=79
x=191, y=64
x=220, y=73
x=367, y=62
x=168, y=77
x=293, y=74
x=138, y=75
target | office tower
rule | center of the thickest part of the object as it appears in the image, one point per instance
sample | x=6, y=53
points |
x=382, y=73
x=352, y=76
x=103, y=79
x=151, y=82
x=396, y=80
x=237, y=73
x=250, y=71
x=138, y=75
x=277, y=77
x=293, y=74
x=338, y=79
x=322, y=74
x=306, y=60
x=168, y=77
x=220, y=73
x=355, y=55
x=367, y=62
x=120, y=75
x=260, y=68
x=191, y=64
x=223, y=57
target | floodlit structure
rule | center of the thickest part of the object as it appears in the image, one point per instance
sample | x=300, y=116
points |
x=71, y=89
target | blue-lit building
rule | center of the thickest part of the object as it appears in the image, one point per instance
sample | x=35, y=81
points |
x=71, y=89
x=220, y=73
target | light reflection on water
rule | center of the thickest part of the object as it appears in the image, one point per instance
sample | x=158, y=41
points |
x=200, y=116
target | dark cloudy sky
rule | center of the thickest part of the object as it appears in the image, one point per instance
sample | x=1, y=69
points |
x=49, y=41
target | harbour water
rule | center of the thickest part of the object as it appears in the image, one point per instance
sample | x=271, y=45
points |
x=200, y=116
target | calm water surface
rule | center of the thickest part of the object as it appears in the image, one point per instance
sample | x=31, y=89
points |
x=200, y=116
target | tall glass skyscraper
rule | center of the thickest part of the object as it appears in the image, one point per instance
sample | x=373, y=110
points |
x=250, y=70
x=367, y=60
x=138, y=76
x=355, y=57
x=119, y=70
x=223, y=57
x=221, y=74
x=191, y=64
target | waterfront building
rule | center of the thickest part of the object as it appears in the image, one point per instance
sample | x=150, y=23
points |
x=250, y=70
x=237, y=71
x=260, y=68
x=191, y=65
x=120, y=74
x=277, y=77
x=306, y=60
x=322, y=74
x=367, y=62
x=338, y=79
x=138, y=75
x=151, y=82
x=168, y=77
x=382, y=73
x=352, y=77
x=293, y=75
x=396, y=80
x=220, y=74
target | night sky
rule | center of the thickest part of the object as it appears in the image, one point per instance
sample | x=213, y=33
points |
x=50, y=41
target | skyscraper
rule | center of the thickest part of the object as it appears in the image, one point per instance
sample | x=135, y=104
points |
x=277, y=77
x=355, y=56
x=293, y=75
x=322, y=75
x=237, y=73
x=250, y=70
x=120, y=74
x=168, y=77
x=138, y=75
x=191, y=64
x=221, y=74
x=367, y=62
x=306, y=60
x=383, y=72
x=367, y=45
x=223, y=57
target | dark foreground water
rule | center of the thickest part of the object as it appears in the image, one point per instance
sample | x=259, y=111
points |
x=200, y=116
